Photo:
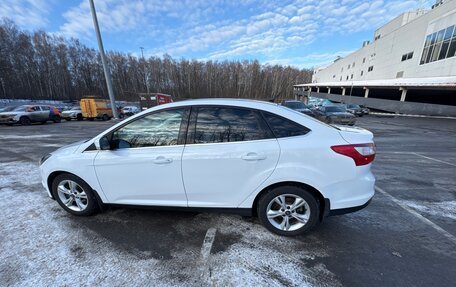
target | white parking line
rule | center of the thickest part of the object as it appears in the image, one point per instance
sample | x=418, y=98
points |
x=420, y=155
x=434, y=159
x=417, y=215
x=207, y=243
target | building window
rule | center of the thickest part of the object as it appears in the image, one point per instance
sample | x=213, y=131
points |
x=364, y=60
x=340, y=78
x=362, y=73
x=370, y=69
x=407, y=56
x=347, y=77
x=439, y=45
x=377, y=37
x=351, y=77
x=353, y=65
x=400, y=74
x=341, y=69
x=334, y=76
x=348, y=66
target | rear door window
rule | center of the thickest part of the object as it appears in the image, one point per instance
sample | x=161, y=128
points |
x=283, y=127
x=228, y=124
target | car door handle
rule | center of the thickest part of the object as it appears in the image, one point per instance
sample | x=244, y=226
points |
x=251, y=156
x=162, y=160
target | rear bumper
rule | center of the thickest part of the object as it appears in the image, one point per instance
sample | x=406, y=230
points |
x=346, y=210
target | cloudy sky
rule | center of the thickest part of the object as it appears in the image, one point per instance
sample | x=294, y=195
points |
x=302, y=33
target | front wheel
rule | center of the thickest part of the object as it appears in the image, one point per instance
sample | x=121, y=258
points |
x=25, y=121
x=288, y=210
x=74, y=195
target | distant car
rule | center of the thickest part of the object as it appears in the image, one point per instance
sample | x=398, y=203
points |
x=337, y=114
x=28, y=114
x=130, y=110
x=355, y=109
x=73, y=113
x=366, y=110
x=298, y=106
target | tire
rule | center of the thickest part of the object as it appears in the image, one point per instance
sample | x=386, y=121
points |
x=79, y=200
x=105, y=117
x=25, y=121
x=308, y=211
x=79, y=117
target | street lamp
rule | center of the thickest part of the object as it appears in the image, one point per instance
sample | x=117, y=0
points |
x=146, y=75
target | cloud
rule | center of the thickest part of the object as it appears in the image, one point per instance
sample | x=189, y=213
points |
x=29, y=14
x=220, y=30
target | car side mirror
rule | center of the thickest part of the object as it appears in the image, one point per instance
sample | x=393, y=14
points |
x=104, y=143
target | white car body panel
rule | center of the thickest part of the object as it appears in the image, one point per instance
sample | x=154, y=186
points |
x=230, y=171
x=142, y=176
x=214, y=175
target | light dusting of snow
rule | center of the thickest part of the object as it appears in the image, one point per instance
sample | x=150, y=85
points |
x=24, y=137
x=42, y=245
x=441, y=208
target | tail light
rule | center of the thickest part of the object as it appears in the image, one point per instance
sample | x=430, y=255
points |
x=362, y=154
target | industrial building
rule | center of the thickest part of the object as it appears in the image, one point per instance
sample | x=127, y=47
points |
x=408, y=67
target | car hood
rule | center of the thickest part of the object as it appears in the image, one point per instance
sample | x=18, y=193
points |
x=354, y=135
x=69, y=149
x=9, y=114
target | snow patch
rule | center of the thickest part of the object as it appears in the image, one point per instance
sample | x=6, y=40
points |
x=19, y=173
x=20, y=137
x=443, y=209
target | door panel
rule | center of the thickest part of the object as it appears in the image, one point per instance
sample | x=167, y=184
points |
x=142, y=176
x=224, y=174
x=230, y=151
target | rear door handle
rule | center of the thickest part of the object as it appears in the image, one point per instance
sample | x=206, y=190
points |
x=163, y=160
x=251, y=156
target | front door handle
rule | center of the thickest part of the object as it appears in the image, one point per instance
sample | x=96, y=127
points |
x=163, y=160
x=251, y=156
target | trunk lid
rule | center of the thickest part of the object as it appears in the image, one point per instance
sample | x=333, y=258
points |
x=355, y=135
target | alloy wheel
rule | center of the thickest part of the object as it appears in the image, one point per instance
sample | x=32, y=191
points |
x=288, y=212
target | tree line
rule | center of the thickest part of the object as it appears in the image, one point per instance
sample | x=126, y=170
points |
x=37, y=65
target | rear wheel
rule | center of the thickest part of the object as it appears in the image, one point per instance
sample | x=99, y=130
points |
x=25, y=121
x=74, y=195
x=79, y=117
x=105, y=117
x=288, y=210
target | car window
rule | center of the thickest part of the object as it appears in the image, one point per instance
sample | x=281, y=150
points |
x=220, y=124
x=283, y=127
x=157, y=129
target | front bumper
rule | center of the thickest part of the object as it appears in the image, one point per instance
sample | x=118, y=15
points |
x=8, y=120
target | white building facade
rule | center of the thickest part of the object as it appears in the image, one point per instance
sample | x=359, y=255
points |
x=412, y=59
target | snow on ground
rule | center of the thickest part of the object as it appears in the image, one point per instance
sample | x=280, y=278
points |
x=443, y=209
x=42, y=245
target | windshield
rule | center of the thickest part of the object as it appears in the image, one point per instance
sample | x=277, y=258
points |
x=20, y=109
x=295, y=105
x=334, y=109
x=7, y=109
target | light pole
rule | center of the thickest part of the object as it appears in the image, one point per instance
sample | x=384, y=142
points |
x=107, y=72
x=146, y=75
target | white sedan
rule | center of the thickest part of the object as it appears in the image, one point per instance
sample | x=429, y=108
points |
x=244, y=156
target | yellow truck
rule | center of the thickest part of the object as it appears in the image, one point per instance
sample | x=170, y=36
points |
x=93, y=108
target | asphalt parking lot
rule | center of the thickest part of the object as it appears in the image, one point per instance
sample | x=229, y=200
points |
x=405, y=237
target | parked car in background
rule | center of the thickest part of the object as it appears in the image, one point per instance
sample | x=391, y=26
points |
x=298, y=106
x=74, y=113
x=94, y=108
x=365, y=109
x=355, y=109
x=337, y=114
x=28, y=114
x=130, y=110
x=250, y=157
